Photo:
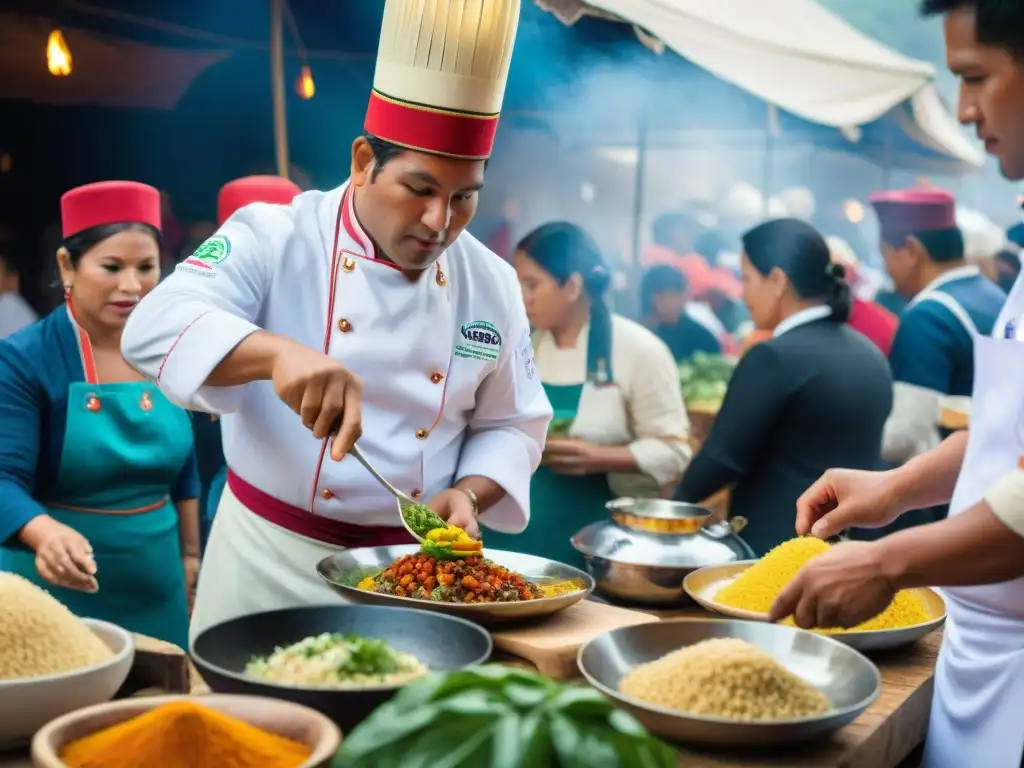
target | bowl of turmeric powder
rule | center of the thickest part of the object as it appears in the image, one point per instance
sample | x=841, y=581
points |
x=210, y=731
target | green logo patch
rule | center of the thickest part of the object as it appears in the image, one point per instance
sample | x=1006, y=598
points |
x=480, y=341
x=213, y=251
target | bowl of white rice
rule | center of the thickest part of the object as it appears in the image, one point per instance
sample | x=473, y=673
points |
x=52, y=662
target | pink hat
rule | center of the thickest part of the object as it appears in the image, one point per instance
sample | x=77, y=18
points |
x=922, y=209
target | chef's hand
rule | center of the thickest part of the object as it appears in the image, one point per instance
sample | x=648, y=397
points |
x=63, y=555
x=324, y=394
x=191, y=565
x=843, y=587
x=568, y=456
x=844, y=498
x=454, y=507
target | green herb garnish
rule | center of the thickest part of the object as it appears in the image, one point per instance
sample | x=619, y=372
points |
x=422, y=519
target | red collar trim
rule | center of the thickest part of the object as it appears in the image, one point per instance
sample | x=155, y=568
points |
x=84, y=347
x=355, y=230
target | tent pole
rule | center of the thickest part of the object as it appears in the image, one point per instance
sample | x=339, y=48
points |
x=277, y=86
x=887, y=157
x=638, y=187
x=771, y=119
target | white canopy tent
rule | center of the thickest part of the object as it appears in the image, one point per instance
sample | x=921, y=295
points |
x=797, y=56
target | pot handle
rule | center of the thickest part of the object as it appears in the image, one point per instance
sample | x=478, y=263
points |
x=724, y=528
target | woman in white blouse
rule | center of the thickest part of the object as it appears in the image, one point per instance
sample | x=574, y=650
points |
x=611, y=378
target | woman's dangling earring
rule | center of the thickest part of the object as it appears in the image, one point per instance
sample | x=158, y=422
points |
x=67, y=290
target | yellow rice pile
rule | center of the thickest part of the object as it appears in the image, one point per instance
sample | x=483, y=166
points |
x=728, y=678
x=39, y=636
x=757, y=587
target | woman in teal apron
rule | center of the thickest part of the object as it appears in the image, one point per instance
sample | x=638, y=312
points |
x=98, y=481
x=628, y=433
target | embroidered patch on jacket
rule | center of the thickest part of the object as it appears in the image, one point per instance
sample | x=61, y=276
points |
x=211, y=253
x=480, y=341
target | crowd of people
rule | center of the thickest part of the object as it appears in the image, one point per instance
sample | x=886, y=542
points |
x=232, y=389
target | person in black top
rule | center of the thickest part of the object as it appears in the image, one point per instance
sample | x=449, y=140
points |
x=816, y=395
x=663, y=298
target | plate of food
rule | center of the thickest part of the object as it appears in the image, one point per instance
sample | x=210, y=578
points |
x=731, y=683
x=488, y=587
x=341, y=660
x=747, y=589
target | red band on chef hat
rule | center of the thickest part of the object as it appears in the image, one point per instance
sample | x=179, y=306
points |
x=429, y=129
x=254, y=189
x=109, y=202
x=903, y=212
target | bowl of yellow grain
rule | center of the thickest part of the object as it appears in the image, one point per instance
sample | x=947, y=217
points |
x=51, y=661
x=210, y=731
x=747, y=589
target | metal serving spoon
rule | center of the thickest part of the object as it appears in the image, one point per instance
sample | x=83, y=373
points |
x=402, y=499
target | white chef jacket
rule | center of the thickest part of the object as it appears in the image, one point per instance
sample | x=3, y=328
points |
x=450, y=385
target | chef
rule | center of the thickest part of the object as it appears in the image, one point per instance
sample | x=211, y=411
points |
x=209, y=451
x=365, y=312
x=977, y=554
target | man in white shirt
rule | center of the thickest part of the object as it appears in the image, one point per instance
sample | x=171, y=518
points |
x=374, y=316
x=15, y=312
x=977, y=554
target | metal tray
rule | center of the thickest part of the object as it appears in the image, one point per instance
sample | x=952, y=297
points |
x=346, y=569
x=703, y=584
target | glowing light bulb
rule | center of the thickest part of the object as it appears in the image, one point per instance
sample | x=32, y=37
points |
x=853, y=211
x=305, y=86
x=58, y=56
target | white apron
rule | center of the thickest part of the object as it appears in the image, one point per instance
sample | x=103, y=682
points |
x=260, y=567
x=977, y=717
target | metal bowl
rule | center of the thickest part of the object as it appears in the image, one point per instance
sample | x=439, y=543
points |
x=643, y=553
x=440, y=642
x=346, y=569
x=702, y=585
x=848, y=678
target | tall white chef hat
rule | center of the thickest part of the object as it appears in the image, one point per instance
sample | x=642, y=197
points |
x=442, y=66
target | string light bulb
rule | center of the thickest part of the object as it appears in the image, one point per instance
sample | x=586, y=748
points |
x=58, y=56
x=305, y=86
x=853, y=211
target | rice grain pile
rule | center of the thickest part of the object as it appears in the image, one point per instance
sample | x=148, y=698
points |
x=757, y=587
x=39, y=636
x=728, y=678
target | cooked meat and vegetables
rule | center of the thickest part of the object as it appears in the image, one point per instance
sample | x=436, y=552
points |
x=467, y=580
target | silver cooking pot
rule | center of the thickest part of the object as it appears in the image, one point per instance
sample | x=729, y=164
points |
x=642, y=553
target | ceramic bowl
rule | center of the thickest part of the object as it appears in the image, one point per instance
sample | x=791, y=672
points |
x=27, y=704
x=284, y=718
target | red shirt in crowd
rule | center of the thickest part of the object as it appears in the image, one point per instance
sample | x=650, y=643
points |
x=875, y=322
